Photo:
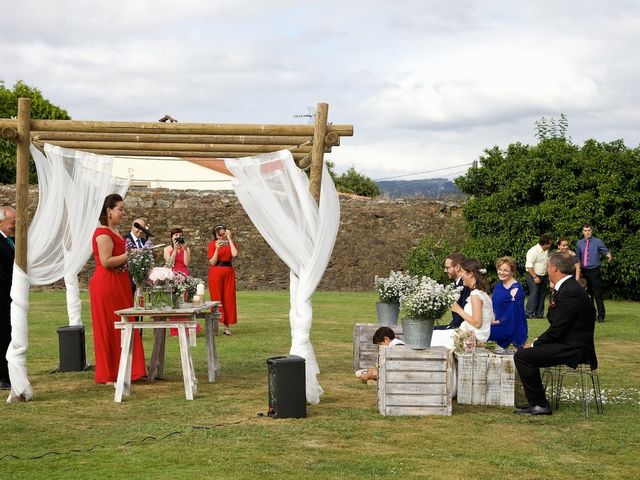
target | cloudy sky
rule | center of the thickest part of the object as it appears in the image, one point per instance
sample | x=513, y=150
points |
x=427, y=84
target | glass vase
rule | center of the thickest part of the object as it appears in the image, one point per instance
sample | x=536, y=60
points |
x=160, y=297
x=138, y=296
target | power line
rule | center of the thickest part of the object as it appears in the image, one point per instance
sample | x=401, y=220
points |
x=426, y=171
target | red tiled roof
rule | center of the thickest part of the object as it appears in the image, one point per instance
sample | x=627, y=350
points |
x=216, y=164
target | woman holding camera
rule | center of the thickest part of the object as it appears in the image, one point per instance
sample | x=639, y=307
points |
x=178, y=254
x=222, y=277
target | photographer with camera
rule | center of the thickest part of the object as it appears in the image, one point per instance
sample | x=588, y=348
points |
x=222, y=277
x=178, y=254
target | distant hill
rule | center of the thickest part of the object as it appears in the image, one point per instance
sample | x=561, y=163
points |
x=431, y=188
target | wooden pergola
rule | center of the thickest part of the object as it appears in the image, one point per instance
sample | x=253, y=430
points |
x=308, y=144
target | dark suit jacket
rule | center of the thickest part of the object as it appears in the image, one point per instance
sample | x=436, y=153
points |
x=457, y=320
x=7, y=255
x=133, y=239
x=572, y=320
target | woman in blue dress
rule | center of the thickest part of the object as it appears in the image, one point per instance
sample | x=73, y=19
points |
x=510, y=325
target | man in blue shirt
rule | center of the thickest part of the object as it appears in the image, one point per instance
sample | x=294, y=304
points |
x=589, y=250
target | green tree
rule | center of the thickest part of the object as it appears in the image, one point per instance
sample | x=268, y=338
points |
x=41, y=108
x=354, y=182
x=554, y=187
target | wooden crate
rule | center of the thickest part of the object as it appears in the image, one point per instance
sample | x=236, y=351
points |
x=414, y=382
x=365, y=353
x=485, y=378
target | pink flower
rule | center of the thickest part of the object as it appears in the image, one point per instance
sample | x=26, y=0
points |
x=161, y=274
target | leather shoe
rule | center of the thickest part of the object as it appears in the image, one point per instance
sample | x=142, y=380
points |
x=534, y=410
x=5, y=385
x=523, y=406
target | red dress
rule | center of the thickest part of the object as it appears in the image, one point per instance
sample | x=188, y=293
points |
x=222, y=283
x=110, y=290
x=180, y=266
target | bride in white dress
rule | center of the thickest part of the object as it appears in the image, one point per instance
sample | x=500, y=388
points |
x=478, y=311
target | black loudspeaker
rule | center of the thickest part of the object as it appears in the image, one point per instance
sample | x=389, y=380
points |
x=287, y=387
x=73, y=357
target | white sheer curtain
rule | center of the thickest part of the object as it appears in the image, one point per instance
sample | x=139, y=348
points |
x=72, y=187
x=275, y=194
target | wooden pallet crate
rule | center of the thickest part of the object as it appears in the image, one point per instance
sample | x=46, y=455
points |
x=414, y=382
x=485, y=378
x=365, y=353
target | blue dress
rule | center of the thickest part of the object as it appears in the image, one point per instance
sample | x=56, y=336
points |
x=508, y=306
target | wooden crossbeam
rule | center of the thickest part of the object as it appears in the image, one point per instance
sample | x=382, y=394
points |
x=308, y=144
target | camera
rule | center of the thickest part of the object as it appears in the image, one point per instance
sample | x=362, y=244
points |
x=179, y=240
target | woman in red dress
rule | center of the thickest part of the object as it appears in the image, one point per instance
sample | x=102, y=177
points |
x=222, y=277
x=110, y=290
x=178, y=255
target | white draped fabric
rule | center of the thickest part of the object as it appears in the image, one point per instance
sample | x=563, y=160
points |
x=275, y=194
x=72, y=187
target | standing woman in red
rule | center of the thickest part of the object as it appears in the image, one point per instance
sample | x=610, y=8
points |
x=222, y=276
x=110, y=290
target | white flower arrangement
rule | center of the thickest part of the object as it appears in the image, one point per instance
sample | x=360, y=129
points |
x=392, y=288
x=161, y=275
x=429, y=300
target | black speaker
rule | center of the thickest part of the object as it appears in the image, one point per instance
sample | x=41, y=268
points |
x=287, y=387
x=73, y=357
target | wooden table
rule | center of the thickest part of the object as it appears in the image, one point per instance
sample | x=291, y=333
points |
x=161, y=320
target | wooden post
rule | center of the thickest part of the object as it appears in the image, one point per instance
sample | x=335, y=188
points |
x=317, y=153
x=22, y=182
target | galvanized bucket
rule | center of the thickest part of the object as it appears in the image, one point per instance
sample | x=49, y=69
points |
x=388, y=313
x=417, y=333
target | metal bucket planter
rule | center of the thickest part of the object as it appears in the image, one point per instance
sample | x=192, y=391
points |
x=417, y=333
x=388, y=313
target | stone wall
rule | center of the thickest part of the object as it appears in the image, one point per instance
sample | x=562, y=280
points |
x=373, y=239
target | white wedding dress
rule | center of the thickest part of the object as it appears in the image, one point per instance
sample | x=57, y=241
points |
x=444, y=338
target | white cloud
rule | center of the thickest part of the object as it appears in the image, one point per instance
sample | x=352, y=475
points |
x=426, y=84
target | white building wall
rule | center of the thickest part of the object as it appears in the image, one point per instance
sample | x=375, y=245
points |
x=167, y=172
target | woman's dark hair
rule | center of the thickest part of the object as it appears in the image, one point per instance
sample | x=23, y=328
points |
x=218, y=228
x=378, y=336
x=474, y=266
x=175, y=230
x=110, y=202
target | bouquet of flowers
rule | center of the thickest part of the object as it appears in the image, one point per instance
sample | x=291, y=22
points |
x=161, y=276
x=394, y=287
x=428, y=300
x=185, y=284
x=466, y=341
x=140, y=261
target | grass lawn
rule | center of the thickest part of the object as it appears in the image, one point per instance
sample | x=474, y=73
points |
x=157, y=434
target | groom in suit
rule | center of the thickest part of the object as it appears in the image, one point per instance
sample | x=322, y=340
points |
x=567, y=341
x=454, y=271
x=7, y=254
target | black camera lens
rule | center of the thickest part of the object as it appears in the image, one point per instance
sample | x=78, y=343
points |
x=179, y=239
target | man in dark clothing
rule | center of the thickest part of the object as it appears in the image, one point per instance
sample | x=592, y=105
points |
x=454, y=271
x=567, y=341
x=7, y=254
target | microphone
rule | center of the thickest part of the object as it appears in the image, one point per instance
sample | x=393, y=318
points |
x=146, y=232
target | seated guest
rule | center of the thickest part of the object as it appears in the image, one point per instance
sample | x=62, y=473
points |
x=567, y=341
x=454, y=272
x=382, y=336
x=477, y=313
x=510, y=325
